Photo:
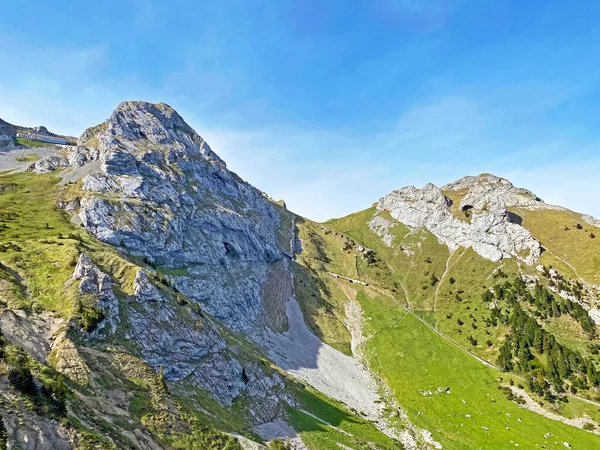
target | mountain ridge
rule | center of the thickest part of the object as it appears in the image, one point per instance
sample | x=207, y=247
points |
x=221, y=311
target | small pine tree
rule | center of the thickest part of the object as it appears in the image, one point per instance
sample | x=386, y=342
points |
x=161, y=378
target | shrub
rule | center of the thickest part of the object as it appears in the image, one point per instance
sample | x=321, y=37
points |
x=90, y=318
x=278, y=444
x=452, y=280
x=22, y=379
x=181, y=299
x=197, y=309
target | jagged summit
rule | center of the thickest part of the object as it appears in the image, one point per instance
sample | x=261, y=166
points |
x=153, y=187
x=487, y=187
x=471, y=212
x=135, y=124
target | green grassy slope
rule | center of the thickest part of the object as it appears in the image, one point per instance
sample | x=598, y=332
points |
x=413, y=358
x=558, y=231
x=329, y=424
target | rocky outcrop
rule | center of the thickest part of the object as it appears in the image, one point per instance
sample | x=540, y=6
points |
x=66, y=359
x=190, y=347
x=144, y=289
x=50, y=163
x=166, y=339
x=7, y=133
x=591, y=220
x=381, y=226
x=96, y=284
x=488, y=227
x=44, y=337
x=486, y=188
x=29, y=432
x=33, y=333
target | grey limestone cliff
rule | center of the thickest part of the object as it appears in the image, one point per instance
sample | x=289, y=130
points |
x=481, y=220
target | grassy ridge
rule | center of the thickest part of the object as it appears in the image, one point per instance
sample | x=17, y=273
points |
x=40, y=246
x=558, y=232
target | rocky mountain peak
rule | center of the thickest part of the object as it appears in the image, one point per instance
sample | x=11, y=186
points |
x=7, y=128
x=474, y=180
x=137, y=127
x=471, y=212
x=157, y=123
x=153, y=187
x=478, y=191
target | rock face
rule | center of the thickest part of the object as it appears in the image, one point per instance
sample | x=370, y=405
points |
x=144, y=290
x=481, y=221
x=37, y=433
x=7, y=133
x=158, y=191
x=153, y=188
x=34, y=334
x=191, y=347
x=95, y=283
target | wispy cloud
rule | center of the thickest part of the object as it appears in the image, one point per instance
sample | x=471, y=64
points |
x=507, y=116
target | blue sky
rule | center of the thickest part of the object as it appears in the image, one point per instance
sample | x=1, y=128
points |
x=331, y=104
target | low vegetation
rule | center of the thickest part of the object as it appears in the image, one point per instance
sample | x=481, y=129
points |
x=24, y=142
x=30, y=157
